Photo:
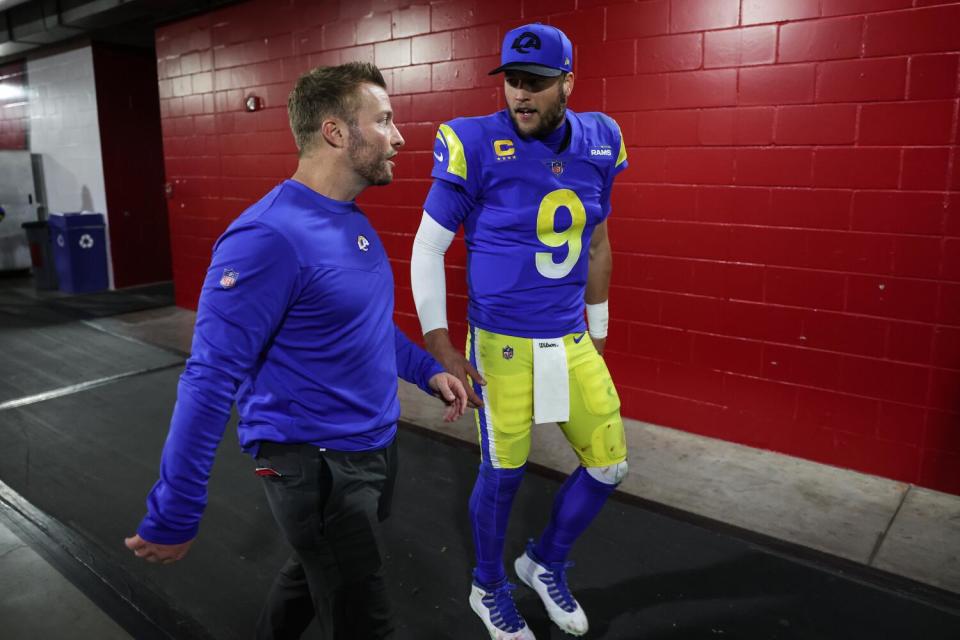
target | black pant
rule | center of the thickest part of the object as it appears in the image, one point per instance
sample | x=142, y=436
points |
x=328, y=505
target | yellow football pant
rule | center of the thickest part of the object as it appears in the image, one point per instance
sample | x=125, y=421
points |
x=594, y=430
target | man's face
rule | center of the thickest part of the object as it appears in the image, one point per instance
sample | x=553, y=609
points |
x=537, y=104
x=374, y=139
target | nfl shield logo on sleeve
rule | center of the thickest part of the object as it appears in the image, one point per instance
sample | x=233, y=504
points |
x=229, y=278
x=508, y=352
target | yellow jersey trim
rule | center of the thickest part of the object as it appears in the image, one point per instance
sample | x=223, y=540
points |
x=622, y=156
x=457, y=164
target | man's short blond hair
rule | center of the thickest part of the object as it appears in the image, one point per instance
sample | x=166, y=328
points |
x=324, y=92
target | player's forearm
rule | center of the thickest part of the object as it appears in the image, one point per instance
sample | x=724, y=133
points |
x=427, y=276
x=438, y=342
x=599, y=272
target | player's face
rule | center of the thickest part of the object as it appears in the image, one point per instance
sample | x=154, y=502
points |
x=374, y=139
x=537, y=104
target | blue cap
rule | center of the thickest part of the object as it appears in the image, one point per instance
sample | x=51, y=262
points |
x=536, y=48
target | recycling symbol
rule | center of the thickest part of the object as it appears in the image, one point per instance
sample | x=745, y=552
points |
x=86, y=241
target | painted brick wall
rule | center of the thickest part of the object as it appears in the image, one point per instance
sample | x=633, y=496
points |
x=65, y=131
x=787, y=239
x=13, y=106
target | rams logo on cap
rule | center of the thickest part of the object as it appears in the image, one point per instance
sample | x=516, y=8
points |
x=526, y=41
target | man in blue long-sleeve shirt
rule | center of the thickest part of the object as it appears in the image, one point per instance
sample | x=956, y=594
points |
x=295, y=324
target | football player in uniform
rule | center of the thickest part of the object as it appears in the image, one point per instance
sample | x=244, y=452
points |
x=530, y=185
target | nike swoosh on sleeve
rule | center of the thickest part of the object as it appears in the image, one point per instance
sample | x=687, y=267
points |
x=438, y=156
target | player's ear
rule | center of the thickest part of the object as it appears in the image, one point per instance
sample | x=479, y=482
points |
x=333, y=131
x=568, y=84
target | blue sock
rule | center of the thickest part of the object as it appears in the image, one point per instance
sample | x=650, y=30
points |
x=490, y=505
x=578, y=502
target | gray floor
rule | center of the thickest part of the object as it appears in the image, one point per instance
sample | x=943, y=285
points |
x=907, y=530
x=895, y=527
x=29, y=588
x=50, y=351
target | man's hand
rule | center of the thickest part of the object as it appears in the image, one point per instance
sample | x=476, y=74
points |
x=439, y=345
x=153, y=552
x=451, y=391
x=599, y=344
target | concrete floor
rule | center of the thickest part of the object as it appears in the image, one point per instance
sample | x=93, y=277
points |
x=894, y=527
x=30, y=585
x=899, y=528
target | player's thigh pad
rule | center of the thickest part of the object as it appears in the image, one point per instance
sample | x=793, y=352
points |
x=595, y=429
x=504, y=422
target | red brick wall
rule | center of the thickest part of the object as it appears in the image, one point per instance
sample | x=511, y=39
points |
x=13, y=106
x=787, y=239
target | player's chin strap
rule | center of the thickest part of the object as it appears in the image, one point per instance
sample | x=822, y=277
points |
x=427, y=278
x=598, y=319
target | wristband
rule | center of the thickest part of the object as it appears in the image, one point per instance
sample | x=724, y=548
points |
x=598, y=318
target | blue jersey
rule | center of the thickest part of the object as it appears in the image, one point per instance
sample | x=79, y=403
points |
x=528, y=215
x=295, y=322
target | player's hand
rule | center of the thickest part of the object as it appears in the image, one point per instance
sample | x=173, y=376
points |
x=153, y=552
x=439, y=345
x=452, y=392
x=599, y=344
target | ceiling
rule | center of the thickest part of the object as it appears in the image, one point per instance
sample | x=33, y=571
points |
x=28, y=27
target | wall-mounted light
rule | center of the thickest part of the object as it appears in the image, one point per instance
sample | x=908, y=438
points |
x=253, y=103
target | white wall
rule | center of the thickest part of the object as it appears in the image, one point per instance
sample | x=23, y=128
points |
x=65, y=130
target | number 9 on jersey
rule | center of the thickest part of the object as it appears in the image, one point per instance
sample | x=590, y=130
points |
x=572, y=236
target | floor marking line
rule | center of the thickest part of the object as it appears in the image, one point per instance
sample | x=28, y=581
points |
x=81, y=386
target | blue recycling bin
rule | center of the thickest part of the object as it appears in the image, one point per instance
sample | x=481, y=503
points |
x=79, y=251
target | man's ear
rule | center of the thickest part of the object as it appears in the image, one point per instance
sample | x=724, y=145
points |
x=333, y=131
x=568, y=84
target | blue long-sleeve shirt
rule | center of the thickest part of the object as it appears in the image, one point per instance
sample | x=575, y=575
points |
x=295, y=323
